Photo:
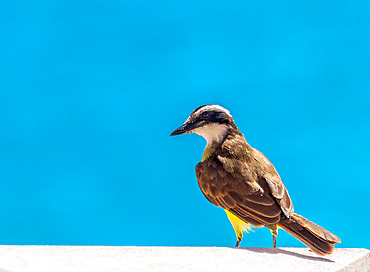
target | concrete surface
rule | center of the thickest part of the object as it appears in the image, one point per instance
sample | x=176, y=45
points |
x=107, y=258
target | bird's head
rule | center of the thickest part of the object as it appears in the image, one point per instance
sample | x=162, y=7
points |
x=210, y=121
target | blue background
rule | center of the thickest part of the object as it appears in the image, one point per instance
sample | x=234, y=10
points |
x=90, y=91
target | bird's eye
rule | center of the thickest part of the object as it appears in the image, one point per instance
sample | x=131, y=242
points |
x=205, y=114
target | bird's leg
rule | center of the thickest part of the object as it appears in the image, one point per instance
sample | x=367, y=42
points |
x=238, y=242
x=274, y=233
x=239, y=237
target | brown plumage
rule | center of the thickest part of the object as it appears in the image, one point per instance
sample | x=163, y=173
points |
x=241, y=180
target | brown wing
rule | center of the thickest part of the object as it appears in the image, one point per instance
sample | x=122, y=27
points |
x=250, y=188
x=244, y=198
x=274, y=182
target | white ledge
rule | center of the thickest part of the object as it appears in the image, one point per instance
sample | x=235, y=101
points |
x=122, y=258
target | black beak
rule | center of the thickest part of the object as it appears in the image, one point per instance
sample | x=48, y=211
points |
x=185, y=128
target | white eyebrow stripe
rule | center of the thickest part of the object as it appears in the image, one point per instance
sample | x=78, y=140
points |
x=212, y=108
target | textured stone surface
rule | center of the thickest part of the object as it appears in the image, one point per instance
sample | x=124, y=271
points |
x=106, y=258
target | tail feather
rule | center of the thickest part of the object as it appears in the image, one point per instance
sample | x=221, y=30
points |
x=315, y=237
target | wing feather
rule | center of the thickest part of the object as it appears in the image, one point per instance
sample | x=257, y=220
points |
x=241, y=180
x=260, y=211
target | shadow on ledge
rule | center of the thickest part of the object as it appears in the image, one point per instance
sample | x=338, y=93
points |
x=283, y=251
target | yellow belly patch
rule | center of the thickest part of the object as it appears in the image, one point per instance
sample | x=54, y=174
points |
x=208, y=151
x=238, y=225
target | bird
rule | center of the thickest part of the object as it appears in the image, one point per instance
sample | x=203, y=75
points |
x=240, y=179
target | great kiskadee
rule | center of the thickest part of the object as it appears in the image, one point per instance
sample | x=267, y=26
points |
x=242, y=181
